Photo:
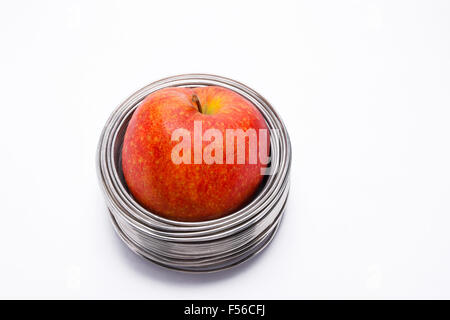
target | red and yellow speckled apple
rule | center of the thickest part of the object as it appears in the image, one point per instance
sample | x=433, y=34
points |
x=190, y=191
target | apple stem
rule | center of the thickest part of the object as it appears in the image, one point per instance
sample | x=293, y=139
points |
x=197, y=103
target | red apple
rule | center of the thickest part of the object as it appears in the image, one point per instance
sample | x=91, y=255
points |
x=195, y=189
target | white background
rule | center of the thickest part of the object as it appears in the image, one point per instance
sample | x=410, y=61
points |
x=364, y=90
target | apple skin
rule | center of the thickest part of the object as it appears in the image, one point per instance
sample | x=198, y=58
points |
x=189, y=192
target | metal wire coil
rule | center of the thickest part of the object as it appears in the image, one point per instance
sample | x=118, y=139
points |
x=194, y=246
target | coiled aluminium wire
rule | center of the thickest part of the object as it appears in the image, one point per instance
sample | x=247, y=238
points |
x=194, y=246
